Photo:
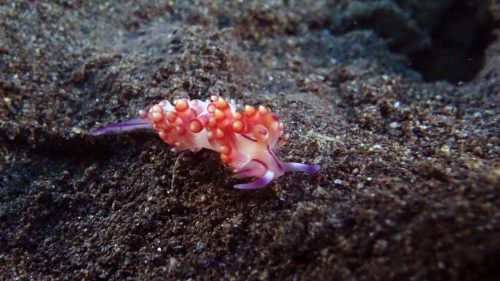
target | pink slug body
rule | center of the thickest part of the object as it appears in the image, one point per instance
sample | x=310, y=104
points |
x=245, y=140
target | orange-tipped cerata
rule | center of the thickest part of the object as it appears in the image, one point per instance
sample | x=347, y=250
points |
x=181, y=105
x=238, y=126
x=196, y=126
x=250, y=111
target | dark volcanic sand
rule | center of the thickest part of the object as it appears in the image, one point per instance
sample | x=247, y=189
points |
x=410, y=182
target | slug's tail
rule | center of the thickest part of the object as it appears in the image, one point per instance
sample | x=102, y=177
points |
x=130, y=125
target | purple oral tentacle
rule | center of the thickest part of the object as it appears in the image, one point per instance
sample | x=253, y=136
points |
x=247, y=173
x=299, y=167
x=130, y=125
x=254, y=168
x=267, y=178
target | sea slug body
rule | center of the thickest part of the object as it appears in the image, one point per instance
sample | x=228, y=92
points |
x=245, y=140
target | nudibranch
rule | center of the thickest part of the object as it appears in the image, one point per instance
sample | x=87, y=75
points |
x=245, y=140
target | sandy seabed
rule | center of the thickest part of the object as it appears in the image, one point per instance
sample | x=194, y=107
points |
x=409, y=187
